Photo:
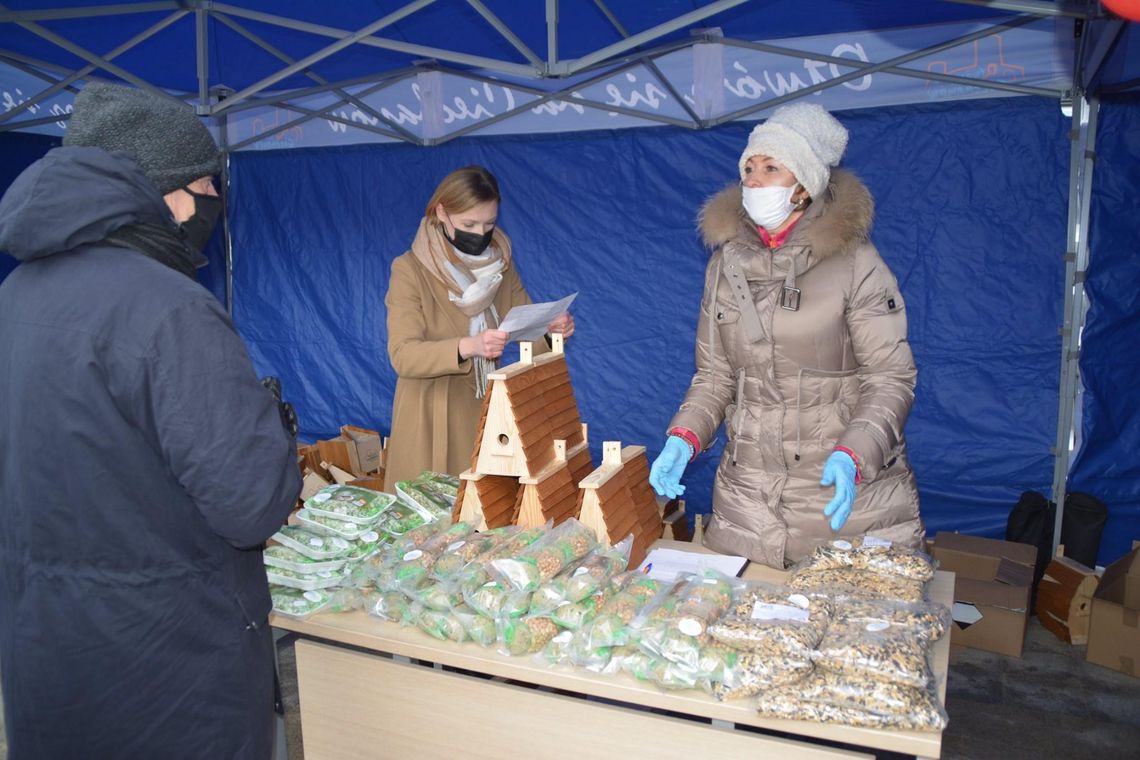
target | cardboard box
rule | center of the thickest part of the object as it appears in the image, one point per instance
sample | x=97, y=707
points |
x=991, y=590
x=372, y=483
x=312, y=483
x=364, y=449
x=1114, y=629
x=335, y=451
x=310, y=457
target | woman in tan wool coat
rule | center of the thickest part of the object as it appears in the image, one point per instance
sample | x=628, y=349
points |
x=446, y=298
x=802, y=353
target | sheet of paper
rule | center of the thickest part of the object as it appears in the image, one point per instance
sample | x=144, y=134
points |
x=666, y=564
x=529, y=322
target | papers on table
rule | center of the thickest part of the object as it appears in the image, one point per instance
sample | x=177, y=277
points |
x=666, y=564
x=529, y=322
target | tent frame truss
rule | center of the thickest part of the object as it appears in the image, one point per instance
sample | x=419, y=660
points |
x=612, y=60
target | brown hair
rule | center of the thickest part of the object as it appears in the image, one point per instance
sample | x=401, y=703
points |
x=463, y=189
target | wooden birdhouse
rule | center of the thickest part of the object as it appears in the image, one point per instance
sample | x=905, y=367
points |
x=553, y=493
x=486, y=501
x=1064, y=599
x=529, y=405
x=617, y=500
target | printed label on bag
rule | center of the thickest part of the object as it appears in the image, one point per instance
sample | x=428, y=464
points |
x=691, y=627
x=842, y=545
x=563, y=637
x=322, y=496
x=367, y=537
x=312, y=596
x=339, y=542
x=766, y=611
x=877, y=625
x=455, y=545
x=579, y=571
x=413, y=554
x=316, y=541
x=876, y=541
x=800, y=601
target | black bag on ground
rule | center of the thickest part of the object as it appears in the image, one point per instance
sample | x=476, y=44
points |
x=1031, y=522
x=1081, y=527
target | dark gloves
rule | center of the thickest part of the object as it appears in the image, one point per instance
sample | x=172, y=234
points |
x=288, y=415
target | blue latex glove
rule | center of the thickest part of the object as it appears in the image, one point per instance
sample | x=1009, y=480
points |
x=840, y=470
x=665, y=475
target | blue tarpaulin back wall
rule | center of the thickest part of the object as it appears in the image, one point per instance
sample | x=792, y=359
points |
x=971, y=217
x=1109, y=463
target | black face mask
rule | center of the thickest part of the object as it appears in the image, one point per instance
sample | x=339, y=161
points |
x=198, y=229
x=469, y=242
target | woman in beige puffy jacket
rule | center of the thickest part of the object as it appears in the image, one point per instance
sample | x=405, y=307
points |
x=802, y=353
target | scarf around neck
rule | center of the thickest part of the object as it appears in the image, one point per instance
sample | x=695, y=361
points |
x=163, y=244
x=471, y=282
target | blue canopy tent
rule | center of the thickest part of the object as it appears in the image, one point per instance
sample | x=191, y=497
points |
x=608, y=124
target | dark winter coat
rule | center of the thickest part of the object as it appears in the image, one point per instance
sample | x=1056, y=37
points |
x=142, y=465
x=790, y=385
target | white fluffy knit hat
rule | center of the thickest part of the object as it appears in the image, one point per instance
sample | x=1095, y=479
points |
x=803, y=137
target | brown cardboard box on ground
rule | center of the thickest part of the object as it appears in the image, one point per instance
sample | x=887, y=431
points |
x=1114, y=629
x=991, y=590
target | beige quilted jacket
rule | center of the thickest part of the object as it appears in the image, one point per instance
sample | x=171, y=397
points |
x=791, y=384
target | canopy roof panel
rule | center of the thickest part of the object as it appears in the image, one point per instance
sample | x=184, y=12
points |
x=370, y=66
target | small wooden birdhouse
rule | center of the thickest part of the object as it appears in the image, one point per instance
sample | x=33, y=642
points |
x=529, y=405
x=617, y=500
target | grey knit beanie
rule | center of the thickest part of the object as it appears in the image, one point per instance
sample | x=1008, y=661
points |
x=165, y=138
x=805, y=138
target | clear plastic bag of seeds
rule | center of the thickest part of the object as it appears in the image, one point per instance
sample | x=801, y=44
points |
x=441, y=624
x=870, y=553
x=773, y=619
x=525, y=635
x=414, y=566
x=858, y=582
x=393, y=606
x=573, y=615
x=829, y=697
x=927, y=620
x=632, y=592
x=873, y=649
x=675, y=625
x=479, y=628
x=545, y=558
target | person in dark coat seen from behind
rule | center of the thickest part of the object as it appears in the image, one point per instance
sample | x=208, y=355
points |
x=142, y=462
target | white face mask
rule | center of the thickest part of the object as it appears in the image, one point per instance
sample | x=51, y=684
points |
x=769, y=206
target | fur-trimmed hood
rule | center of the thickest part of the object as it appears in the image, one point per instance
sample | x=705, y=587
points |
x=833, y=225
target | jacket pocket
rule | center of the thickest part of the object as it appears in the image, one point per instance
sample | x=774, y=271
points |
x=826, y=400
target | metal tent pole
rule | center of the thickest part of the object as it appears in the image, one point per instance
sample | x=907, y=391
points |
x=1082, y=156
x=227, y=242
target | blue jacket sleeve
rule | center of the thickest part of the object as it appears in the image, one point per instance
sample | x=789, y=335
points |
x=218, y=428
